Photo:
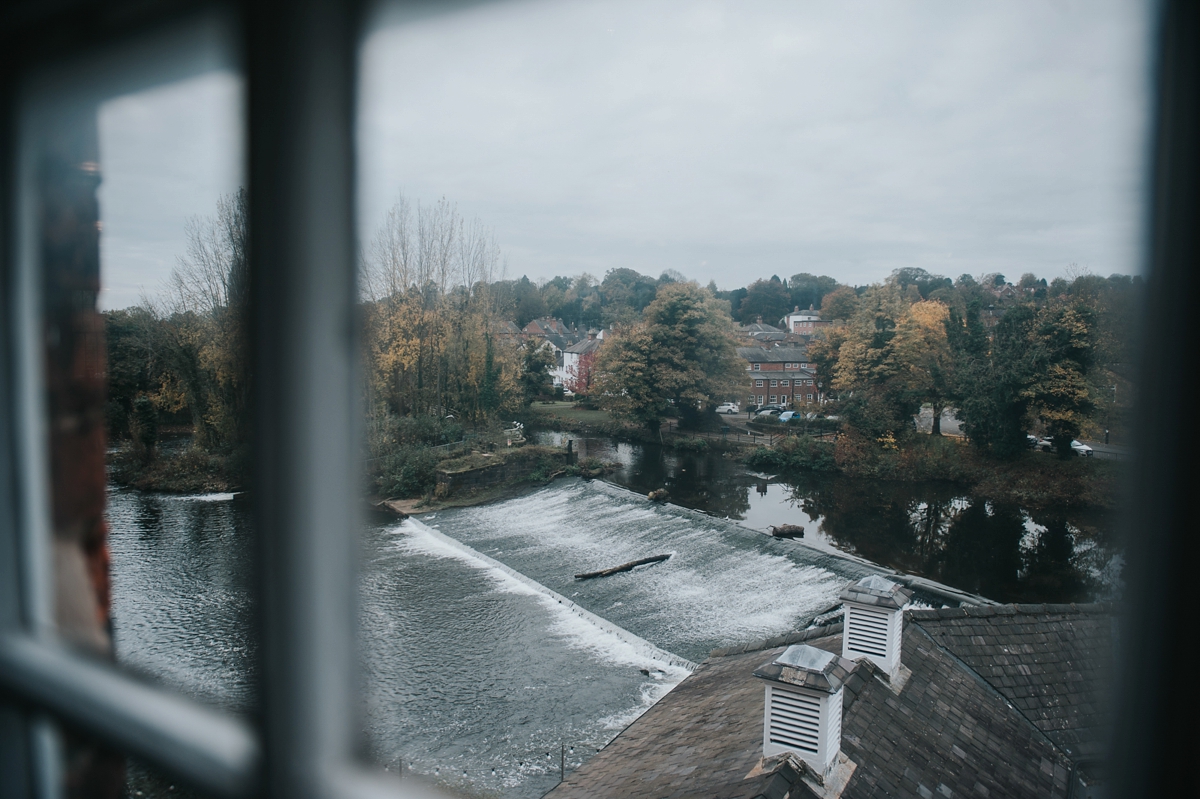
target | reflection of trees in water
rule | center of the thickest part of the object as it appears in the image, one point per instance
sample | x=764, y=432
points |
x=932, y=530
x=931, y=518
x=705, y=481
x=148, y=514
x=1052, y=572
x=890, y=524
x=983, y=550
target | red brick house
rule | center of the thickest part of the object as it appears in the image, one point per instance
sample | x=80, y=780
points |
x=780, y=375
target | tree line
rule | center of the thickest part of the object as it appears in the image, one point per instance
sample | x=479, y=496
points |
x=1006, y=358
x=438, y=317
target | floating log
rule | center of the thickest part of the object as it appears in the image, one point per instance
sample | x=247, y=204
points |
x=624, y=567
x=658, y=495
x=787, y=531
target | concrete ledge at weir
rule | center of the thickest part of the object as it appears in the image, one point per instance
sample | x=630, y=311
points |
x=604, y=624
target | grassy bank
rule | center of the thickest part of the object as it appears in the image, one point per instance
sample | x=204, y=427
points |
x=183, y=470
x=567, y=417
x=1034, y=479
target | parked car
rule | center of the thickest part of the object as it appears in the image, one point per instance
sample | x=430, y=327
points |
x=727, y=407
x=767, y=412
x=1077, y=446
x=1032, y=440
x=787, y=416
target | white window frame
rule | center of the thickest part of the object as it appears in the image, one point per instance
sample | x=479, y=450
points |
x=301, y=102
x=300, y=73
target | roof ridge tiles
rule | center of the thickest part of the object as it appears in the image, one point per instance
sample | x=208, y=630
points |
x=1011, y=609
x=796, y=637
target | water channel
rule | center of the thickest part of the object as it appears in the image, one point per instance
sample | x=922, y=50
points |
x=477, y=676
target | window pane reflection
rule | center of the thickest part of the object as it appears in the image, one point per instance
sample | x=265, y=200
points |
x=133, y=239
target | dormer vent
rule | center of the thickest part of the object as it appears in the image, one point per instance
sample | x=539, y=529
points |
x=874, y=622
x=802, y=710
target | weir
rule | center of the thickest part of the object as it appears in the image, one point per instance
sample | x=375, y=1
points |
x=640, y=644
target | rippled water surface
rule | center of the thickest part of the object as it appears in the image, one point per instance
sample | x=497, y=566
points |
x=479, y=678
x=723, y=584
x=474, y=675
x=933, y=529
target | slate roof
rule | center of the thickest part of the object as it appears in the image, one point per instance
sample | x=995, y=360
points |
x=697, y=738
x=773, y=355
x=879, y=591
x=1051, y=661
x=997, y=701
x=585, y=346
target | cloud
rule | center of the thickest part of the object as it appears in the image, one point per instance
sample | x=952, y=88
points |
x=166, y=154
x=726, y=140
x=771, y=137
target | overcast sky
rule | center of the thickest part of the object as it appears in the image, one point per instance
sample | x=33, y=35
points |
x=726, y=140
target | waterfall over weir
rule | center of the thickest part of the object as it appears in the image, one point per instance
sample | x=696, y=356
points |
x=550, y=598
x=484, y=661
x=723, y=585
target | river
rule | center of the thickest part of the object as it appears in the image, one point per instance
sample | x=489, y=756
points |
x=932, y=529
x=476, y=675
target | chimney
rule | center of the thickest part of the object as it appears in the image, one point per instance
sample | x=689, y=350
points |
x=802, y=712
x=759, y=319
x=874, y=621
x=796, y=309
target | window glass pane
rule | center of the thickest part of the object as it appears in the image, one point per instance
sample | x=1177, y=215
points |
x=132, y=241
x=948, y=188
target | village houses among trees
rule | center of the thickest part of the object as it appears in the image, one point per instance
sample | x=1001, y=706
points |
x=450, y=344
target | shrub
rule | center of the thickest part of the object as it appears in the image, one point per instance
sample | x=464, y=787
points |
x=407, y=472
x=795, y=454
x=691, y=444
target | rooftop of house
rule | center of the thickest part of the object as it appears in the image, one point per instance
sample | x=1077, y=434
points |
x=585, y=346
x=547, y=326
x=773, y=354
x=796, y=313
x=1002, y=700
x=758, y=327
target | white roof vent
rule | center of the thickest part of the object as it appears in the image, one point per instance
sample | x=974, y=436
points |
x=873, y=622
x=803, y=705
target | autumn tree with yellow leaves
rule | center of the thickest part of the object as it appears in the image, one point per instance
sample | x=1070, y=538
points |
x=434, y=340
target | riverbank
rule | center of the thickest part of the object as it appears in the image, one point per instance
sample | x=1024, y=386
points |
x=179, y=469
x=479, y=478
x=1033, y=479
x=569, y=417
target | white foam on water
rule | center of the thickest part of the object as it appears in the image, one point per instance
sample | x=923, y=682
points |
x=216, y=497
x=579, y=627
x=711, y=589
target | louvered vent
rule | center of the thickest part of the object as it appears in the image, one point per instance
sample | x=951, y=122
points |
x=867, y=632
x=795, y=720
